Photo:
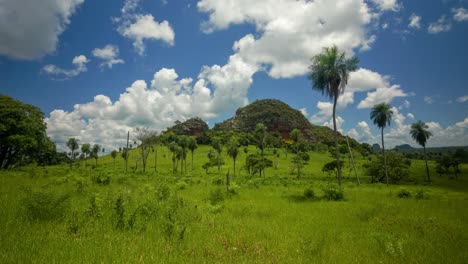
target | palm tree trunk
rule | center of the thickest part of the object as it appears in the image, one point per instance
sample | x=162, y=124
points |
x=427, y=168
x=337, y=152
x=384, y=157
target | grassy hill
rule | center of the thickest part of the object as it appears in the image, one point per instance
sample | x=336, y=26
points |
x=278, y=117
x=83, y=214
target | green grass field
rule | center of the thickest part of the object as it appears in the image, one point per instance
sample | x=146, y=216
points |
x=62, y=215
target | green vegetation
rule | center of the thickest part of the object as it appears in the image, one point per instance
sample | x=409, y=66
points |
x=58, y=214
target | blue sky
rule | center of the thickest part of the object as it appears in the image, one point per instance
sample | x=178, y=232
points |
x=100, y=68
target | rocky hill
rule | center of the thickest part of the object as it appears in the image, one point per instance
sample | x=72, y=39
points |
x=191, y=127
x=277, y=116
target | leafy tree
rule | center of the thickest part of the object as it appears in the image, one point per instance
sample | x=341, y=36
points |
x=381, y=114
x=125, y=154
x=260, y=135
x=233, y=151
x=298, y=148
x=72, y=144
x=183, y=142
x=86, y=150
x=420, y=134
x=256, y=163
x=217, y=145
x=176, y=155
x=192, y=145
x=398, y=168
x=214, y=160
x=114, y=155
x=146, y=140
x=95, y=152
x=329, y=73
x=22, y=130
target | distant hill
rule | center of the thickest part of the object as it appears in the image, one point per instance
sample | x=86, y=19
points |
x=191, y=127
x=278, y=117
x=404, y=147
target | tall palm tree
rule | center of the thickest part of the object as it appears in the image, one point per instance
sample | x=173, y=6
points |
x=381, y=114
x=329, y=73
x=420, y=134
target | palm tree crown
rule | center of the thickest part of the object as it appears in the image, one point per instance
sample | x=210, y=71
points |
x=381, y=114
x=330, y=70
x=420, y=133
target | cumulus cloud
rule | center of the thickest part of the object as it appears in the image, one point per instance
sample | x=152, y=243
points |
x=378, y=90
x=166, y=99
x=29, y=29
x=386, y=94
x=287, y=40
x=414, y=21
x=109, y=54
x=142, y=27
x=460, y=14
x=80, y=66
x=462, y=99
x=441, y=25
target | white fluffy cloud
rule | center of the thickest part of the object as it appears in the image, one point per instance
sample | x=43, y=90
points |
x=167, y=99
x=378, y=90
x=29, y=29
x=109, y=54
x=380, y=95
x=80, y=66
x=460, y=14
x=429, y=99
x=288, y=40
x=144, y=27
x=462, y=99
x=414, y=21
x=441, y=25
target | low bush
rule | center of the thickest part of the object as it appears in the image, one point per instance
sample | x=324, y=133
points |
x=333, y=193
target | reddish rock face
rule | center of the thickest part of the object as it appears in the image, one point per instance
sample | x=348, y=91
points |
x=192, y=127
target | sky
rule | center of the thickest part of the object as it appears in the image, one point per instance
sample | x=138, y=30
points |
x=98, y=69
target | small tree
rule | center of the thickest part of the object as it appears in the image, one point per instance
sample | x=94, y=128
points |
x=192, y=145
x=125, y=155
x=114, y=155
x=72, y=144
x=233, y=151
x=381, y=114
x=145, y=137
x=420, y=134
x=95, y=152
x=218, y=147
x=260, y=138
x=85, y=149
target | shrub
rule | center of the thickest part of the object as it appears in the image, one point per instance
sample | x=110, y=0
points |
x=309, y=193
x=333, y=193
x=403, y=193
x=216, y=196
x=397, y=168
x=101, y=179
x=43, y=206
x=233, y=189
x=94, y=208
